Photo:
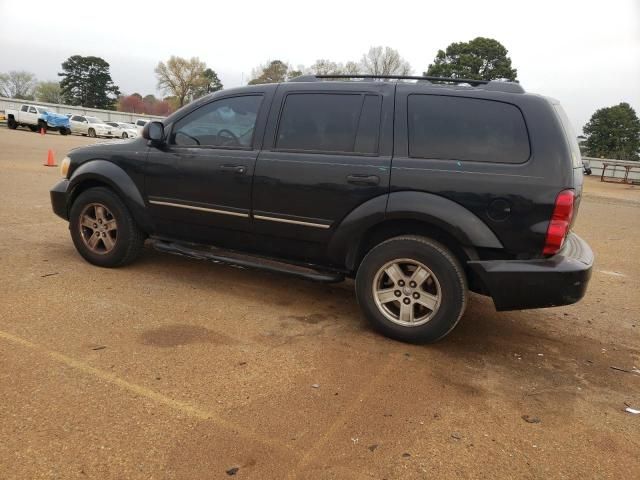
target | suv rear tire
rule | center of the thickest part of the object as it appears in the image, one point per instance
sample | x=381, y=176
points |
x=103, y=230
x=412, y=289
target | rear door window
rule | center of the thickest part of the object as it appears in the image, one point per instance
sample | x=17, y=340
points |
x=466, y=129
x=330, y=123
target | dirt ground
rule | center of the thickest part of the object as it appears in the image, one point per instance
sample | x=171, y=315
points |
x=178, y=369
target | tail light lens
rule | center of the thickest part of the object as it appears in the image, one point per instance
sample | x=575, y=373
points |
x=560, y=221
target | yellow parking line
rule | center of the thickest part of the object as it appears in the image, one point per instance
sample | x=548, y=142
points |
x=182, y=407
x=340, y=420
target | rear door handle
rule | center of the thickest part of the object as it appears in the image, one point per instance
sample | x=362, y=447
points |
x=363, y=179
x=240, y=169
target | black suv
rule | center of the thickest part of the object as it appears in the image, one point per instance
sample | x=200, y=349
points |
x=421, y=189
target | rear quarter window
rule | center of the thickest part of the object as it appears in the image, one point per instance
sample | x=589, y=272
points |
x=570, y=136
x=466, y=129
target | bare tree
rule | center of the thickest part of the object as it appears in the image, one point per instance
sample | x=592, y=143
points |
x=180, y=77
x=49, y=92
x=351, y=68
x=17, y=84
x=384, y=61
x=324, y=66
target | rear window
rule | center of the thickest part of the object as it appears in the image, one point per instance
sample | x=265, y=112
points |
x=466, y=129
x=330, y=122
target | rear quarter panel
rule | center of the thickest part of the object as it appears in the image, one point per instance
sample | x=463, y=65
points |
x=529, y=188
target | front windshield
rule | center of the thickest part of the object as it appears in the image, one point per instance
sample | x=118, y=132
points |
x=93, y=120
x=125, y=125
x=44, y=110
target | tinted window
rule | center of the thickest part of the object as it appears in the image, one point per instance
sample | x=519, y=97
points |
x=76, y=118
x=460, y=128
x=24, y=108
x=369, y=127
x=570, y=135
x=228, y=122
x=330, y=122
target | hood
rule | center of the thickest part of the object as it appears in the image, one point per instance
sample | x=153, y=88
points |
x=134, y=148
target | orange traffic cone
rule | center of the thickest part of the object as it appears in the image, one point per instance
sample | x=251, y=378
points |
x=51, y=161
x=42, y=131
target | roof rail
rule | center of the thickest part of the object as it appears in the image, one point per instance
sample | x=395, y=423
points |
x=491, y=85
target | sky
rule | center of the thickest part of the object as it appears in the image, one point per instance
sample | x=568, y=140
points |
x=584, y=53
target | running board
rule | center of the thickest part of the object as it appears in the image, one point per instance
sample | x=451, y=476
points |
x=228, y=257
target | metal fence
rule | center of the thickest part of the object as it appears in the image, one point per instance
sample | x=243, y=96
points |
x=106, y=115
x=617, y=171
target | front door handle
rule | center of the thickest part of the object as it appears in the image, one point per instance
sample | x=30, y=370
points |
x=363, y=179
x=240, y=169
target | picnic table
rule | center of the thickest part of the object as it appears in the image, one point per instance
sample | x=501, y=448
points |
x=615, y=164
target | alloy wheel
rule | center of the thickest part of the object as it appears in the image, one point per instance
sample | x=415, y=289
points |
x=98, y=228
x=407, y=292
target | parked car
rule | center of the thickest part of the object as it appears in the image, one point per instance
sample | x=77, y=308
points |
x=37, y=118
x=140, y=123
x=123, y=130
x=421, y=191
x=91, y=126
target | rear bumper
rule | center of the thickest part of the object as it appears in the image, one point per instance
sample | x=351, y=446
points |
x=59, y=197
x=549, y=282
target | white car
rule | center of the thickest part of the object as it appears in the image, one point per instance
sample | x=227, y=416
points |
x=123, y=130
x=140, y=123
x=91, y=126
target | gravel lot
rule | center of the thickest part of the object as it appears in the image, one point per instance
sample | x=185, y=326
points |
x=179, y=369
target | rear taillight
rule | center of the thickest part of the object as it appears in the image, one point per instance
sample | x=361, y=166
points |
x=560, y=221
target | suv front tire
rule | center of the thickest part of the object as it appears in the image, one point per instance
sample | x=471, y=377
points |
x=103, y=230
x=412, y=289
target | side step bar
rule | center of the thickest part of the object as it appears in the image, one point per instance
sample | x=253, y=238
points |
x=229, y=257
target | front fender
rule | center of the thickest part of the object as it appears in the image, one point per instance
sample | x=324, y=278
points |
x=119, y=181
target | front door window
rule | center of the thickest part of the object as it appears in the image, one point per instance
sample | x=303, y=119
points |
x=224, y=123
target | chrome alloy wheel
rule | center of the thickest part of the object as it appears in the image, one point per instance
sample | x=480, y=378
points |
x=406, y=292
x=98, y=228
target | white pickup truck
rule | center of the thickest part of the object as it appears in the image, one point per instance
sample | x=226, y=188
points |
x=37, y=118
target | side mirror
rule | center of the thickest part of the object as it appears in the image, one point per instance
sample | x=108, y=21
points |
x=154, y=132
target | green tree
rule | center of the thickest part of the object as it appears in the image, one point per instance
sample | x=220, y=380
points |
x=86, y=81
x=613, y=132
x=274, y=71
x=17, y=84
x=48, y=92
x=480, y=59
x=210, y=83
x=181, y=78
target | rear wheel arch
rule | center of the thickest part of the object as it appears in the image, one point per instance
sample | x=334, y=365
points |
x=388, y=229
